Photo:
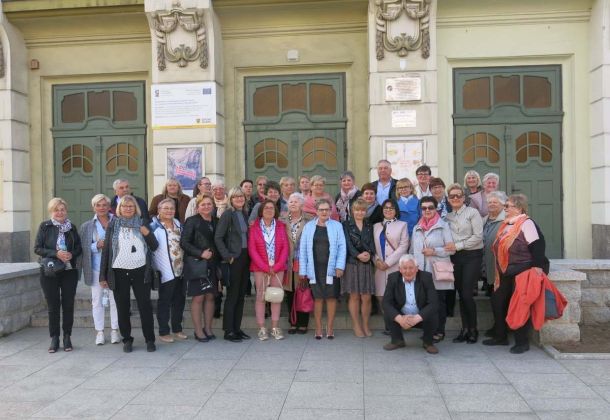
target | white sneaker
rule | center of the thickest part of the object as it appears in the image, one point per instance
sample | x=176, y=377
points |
x=99, y=338
x=277, y=333
x=115, y=338
x=262, y=334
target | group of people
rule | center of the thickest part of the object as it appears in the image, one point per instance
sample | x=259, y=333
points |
x=411, y=246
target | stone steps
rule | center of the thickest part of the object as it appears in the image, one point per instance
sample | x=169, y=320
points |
x=84, y=318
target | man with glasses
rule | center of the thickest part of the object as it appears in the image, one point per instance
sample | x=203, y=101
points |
x=422, y=189
x=385, y=185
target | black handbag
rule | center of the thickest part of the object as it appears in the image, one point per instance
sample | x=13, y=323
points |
x=52, y=266
x=194, y=268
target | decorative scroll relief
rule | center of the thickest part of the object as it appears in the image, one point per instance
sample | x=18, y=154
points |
x=181, y=37
x=402, y=26
x=1, y=60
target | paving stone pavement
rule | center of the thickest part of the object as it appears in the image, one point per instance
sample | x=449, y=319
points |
x=296, y=378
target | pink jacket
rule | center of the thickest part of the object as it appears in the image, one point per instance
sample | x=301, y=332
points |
x=258, y=252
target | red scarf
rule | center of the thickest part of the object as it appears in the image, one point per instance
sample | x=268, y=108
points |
x=426, y=225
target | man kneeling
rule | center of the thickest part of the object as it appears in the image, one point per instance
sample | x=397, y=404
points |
x=409, y=301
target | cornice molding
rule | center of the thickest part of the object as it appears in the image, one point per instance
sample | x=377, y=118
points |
x=55, y=41
x=565, y=16
x=292, y=30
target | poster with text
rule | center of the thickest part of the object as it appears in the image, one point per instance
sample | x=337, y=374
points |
x=183, y=105
x=405, y=157
x=186, y=165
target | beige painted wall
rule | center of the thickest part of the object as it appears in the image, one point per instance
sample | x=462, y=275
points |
x=526, y=32
x=77, y=49
x=330, y=38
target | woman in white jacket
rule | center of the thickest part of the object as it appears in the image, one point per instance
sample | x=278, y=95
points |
x=430, y=238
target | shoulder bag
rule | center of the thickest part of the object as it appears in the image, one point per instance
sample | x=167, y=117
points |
x=442, y=270
x=273, y=294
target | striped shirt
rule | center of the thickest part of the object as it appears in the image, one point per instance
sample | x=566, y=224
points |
x=466, y=228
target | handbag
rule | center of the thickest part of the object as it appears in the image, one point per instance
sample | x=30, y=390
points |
x=273, y=294
x=302, y=301
x=443, y=271
x=51, y=266
x=194, y=268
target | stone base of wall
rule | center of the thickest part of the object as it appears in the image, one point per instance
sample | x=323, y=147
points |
x=601, y=241
x=14, y=247
x=20, y=296
x=595, y=290
x=565, y=329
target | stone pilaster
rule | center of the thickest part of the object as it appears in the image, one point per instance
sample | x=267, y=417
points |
x=599, y=68
x=15, y=200
x=402, y=48
x=172, y=47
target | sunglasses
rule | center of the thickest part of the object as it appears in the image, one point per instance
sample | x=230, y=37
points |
x=455, y=196
x=427, y=208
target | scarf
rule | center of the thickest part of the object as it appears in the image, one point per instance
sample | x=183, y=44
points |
x=504, y=241
x=371, y=209
x=343, y=202
x=294, y=227
x=61, y=245
x=269, y=237
x=443, y=208
x=133, y=224
x=426, y=225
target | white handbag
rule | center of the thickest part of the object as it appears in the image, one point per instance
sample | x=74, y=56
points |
x=273, y=294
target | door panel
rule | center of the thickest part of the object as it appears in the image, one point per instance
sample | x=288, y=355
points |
x=123, y=157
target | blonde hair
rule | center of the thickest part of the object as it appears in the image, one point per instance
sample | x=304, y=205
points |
x=402, y=182
x=455, y=186
x=519, y=201
x=317, y=178
x=125, y=198
x=472, y=172
x=56, y=202
x=99, y=197
x=172, y=180
x=202, y=197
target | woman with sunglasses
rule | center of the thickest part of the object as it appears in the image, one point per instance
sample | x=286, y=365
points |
x=430, y=238
x=467, y=231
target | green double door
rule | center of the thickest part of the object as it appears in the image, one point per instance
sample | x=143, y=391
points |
x=295, y=125
x=508, y=121
x=99, y=136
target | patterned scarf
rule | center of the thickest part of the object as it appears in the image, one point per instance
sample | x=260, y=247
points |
x=269, y=237
x=133, y=224
x=343, y=202
x=61, y=244
x=294, y=227
x=507, y=233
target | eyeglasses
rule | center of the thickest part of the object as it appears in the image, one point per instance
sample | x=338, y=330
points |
x=422, y=173
x=389, y=208
x=507, y=206
x=427, y=208
x=128, y=207
x=406, y=187
x=455, y=196
x=325, y=209
x=166, y=208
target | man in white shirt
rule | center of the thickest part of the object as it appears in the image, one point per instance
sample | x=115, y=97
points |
x=410, y=300
x=385, y=185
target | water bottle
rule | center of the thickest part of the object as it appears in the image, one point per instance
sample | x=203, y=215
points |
x=105, y=298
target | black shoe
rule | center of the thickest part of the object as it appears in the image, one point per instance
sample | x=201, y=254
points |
x=242, y=335
x=461, y=337
x=150, y=346
x=127, y=346
x=54, y=344
x=67, y=343
x=209, y=336
x=472, y=336
x=490, y=332
x=231, y=336
x=204, y=339
x=292, y=330
x=386, y=332
x=519, y=348
x=495, y=342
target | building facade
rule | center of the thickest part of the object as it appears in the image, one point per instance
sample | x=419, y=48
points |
x=520, y=88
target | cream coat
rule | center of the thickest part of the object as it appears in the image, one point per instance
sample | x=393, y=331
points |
x=396, y=234
x=284, y=219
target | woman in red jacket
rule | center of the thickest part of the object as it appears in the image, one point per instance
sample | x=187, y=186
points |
x=268, y=248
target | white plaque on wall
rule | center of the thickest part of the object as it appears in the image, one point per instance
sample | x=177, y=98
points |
x=405, y=156
x=183, y=105
x=403, y=89
x=404, y=118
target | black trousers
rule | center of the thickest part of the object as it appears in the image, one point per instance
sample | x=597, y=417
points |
x=442, y=310
x=234, y=301
x=429, y=325
x=302, y=317
x=500, y=300
x=467, y=271
x=124, y=280
x=171, y=303
x=59, y=293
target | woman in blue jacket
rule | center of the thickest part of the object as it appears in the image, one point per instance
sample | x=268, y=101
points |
x=408, y=204
x=322, y=257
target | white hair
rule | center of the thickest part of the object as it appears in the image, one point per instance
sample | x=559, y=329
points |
x=489, y=175
x=298, y=196
x=499, y=195
x=116, y=183
x=406, y=258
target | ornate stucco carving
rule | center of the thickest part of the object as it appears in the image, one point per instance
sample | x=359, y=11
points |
x=1, y=60
x=387, y=14
x=181, y=37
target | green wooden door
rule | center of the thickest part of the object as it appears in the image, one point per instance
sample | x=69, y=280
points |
x=508, y=121
x=99, y=136
x=295, y=125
